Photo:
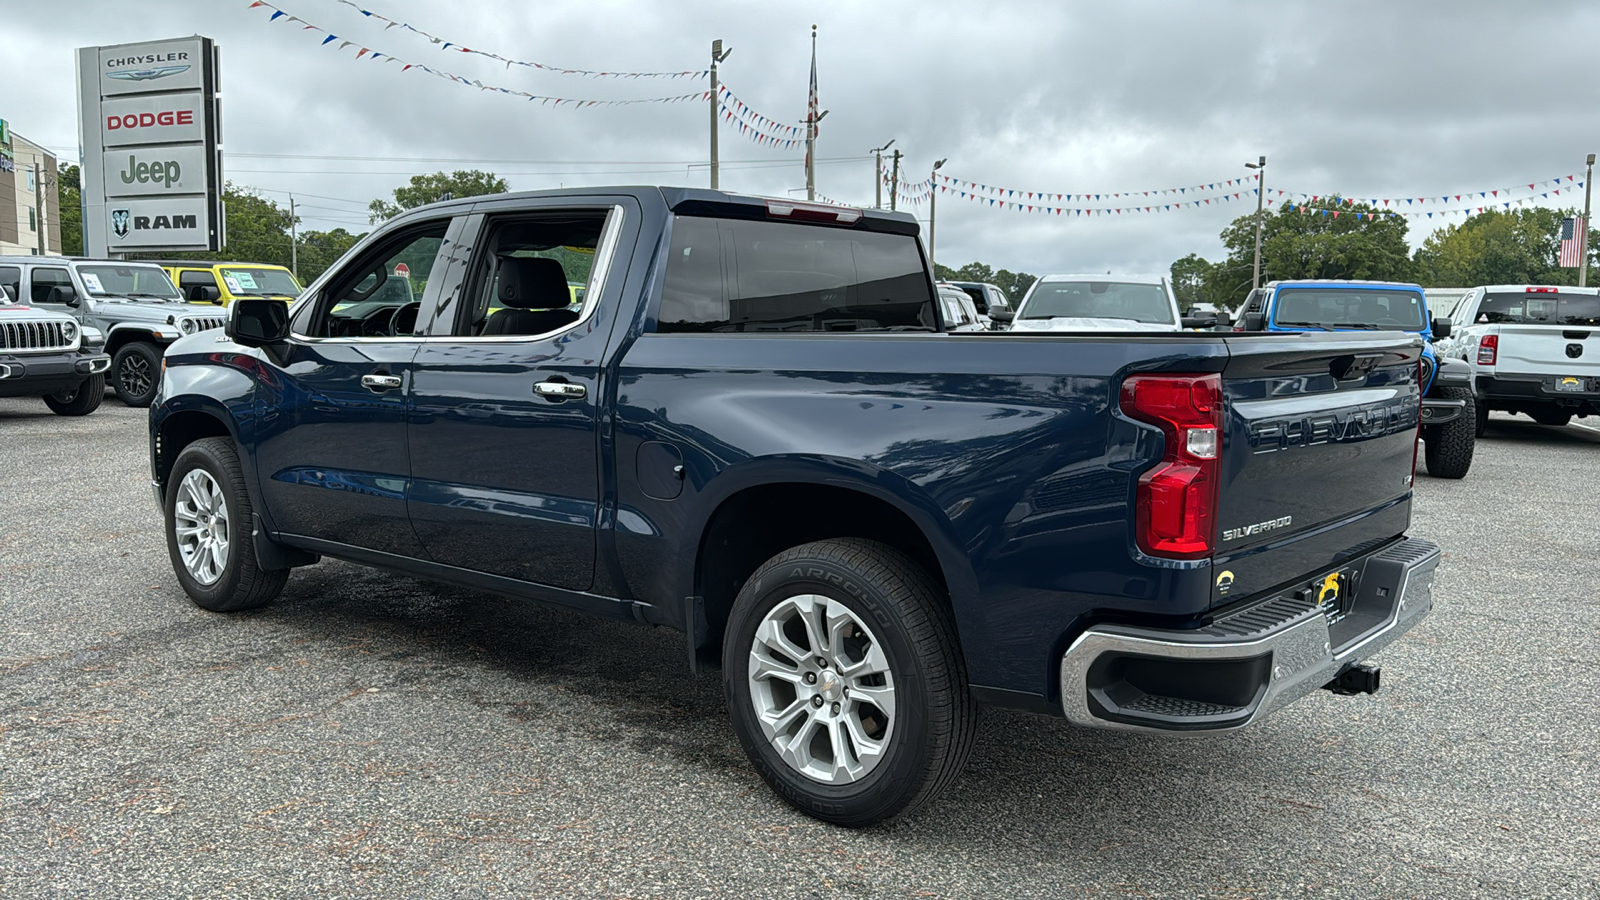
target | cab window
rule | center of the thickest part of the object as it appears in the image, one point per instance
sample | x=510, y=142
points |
x=11, y=280
x=534, y=275
x=379, y=296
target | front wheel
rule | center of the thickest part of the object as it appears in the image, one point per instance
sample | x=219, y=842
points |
x=80, y=401
x=136, y=373
x=1447, y=448
x=845, y=682
x=208, y=523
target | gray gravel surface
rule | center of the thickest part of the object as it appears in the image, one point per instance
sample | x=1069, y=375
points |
x=372, y=734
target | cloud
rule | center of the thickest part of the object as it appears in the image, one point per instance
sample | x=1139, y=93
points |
x=1366, y=98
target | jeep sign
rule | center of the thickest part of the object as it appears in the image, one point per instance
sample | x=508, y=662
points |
x=155, y=171
x=152, y=163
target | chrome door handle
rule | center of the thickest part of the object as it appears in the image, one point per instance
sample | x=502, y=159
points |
x=380, y=382
x=560, y=390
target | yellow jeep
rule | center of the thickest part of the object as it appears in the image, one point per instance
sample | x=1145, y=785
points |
x=222, y=282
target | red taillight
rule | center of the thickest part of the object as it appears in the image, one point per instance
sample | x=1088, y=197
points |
x=1543, y=290
x=1177, y=502
x=1488, y=349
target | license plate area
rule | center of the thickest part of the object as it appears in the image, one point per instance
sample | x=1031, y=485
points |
x=1334, y=594
x=1568, y=384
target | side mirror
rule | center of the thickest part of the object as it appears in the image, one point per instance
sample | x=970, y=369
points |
x=1252, y=321
x=257, y=322
x=204, y=293
x=64, y=295
x=5, y=296
x=1441, y=327
x=1003, y=316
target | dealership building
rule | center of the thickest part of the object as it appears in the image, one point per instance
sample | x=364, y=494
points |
x=30, y=219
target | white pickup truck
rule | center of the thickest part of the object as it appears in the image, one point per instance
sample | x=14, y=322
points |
x=1533, y=349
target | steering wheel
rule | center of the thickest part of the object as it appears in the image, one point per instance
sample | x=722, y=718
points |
x=378, y=324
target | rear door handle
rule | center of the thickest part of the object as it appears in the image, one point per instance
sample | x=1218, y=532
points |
x=560, y=390
x=380, y=383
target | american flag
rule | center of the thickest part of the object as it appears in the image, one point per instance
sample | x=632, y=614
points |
x=1574, y=235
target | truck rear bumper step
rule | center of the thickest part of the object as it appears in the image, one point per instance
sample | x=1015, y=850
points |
x=1250, y=661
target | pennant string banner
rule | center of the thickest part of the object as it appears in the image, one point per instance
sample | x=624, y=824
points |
x=560, y=70
x=758, y=128
x=370, y=55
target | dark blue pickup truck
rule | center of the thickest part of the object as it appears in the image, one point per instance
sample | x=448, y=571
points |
x=752, y=428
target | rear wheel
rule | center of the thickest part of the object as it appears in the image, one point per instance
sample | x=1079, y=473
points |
x=1554, y=417
x=1447, y=448
x=208, y=523
x=136, y=372
x=80, y=402
x=845, y=683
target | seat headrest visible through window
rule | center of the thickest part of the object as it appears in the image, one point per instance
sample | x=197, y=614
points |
x=532, y=283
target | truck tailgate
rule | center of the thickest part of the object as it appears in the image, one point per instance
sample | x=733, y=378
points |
x=1318, y=454
x=1545, y=350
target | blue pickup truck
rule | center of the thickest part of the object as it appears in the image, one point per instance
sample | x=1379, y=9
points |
x=755, y=429
x=1449, y=422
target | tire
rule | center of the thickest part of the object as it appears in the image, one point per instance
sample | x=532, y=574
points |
x=1483, y=420
x=886, y=614
x=80, y=402
x=207, y=474
x=1447, y=448
x=136, y=373
x=1553, y=417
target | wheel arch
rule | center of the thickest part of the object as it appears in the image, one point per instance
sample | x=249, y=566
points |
x=820, y=499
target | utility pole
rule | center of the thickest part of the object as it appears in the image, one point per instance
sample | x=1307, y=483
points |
x=38, y=207
x=877, y=174
x=933, y=207
x=1261, y=196
x=294, y=242
x=894, y=182
x=717, y=55
x=1583, y=261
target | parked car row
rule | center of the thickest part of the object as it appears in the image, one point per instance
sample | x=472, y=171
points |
x=126, y=311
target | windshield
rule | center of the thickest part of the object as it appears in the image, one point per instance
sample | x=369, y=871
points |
x=1396, y=310
x=274, y=282
x=1540, y=308
x=1099, y=300
x=128, y=281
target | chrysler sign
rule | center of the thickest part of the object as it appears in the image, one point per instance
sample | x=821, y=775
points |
x=152, y=159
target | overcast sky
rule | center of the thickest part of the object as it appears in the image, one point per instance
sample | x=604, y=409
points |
x=1372, y=99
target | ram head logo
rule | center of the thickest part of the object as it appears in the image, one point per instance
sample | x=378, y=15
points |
x=119, y=222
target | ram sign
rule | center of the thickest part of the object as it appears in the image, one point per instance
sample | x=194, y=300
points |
x=152, y=159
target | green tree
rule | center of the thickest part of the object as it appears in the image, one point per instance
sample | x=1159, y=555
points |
x=1519, y=246
x=1189, y=280
x=321, y=249
x=432, y=188
x=69, y=198
x=1332, y=240
x=1015, y=284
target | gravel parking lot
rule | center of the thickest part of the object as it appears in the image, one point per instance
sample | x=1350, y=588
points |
x=372, y=734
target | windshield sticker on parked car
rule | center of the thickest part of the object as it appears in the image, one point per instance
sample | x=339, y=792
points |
x=246, y=281
x=233, y=284
x=92, y=282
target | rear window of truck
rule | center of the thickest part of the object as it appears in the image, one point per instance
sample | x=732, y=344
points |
x=736, y=275
x=1529, y=308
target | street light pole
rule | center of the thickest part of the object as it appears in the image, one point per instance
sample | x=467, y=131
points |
x=717, y=55
x=933, y=205
x=1588, y=189
x=877, y=174
x=1261, y=196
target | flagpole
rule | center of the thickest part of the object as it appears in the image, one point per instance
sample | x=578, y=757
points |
x=811, y=124
x=1583, y=239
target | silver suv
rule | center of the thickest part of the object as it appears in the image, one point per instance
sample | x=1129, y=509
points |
x=46, y=354
x=134, y=304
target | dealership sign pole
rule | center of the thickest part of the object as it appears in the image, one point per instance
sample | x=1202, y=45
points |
x=151, y=137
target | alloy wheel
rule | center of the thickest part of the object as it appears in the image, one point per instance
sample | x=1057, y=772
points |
x=200, y=522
